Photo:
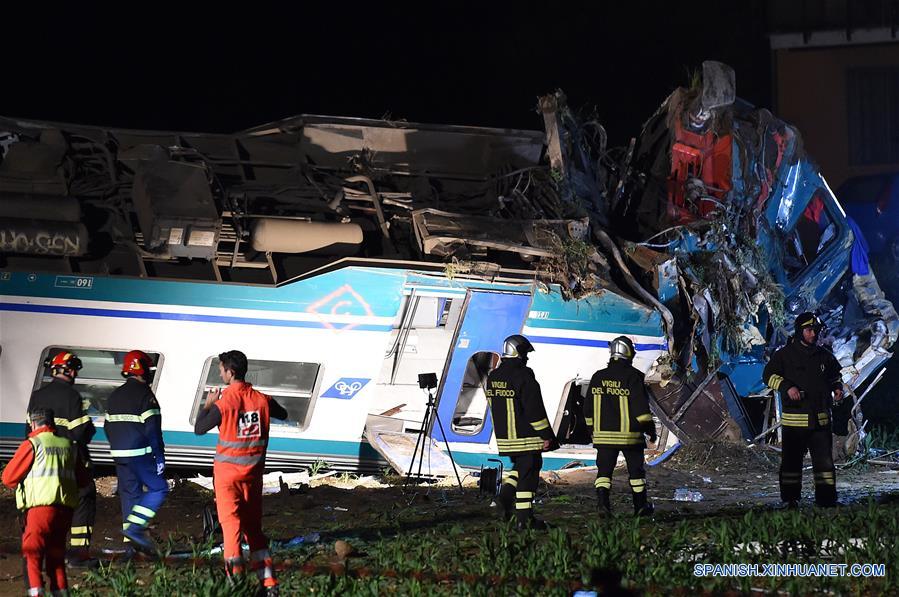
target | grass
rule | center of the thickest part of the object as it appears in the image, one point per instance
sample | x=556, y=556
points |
x=411, y=555
x=164, y=581
x=319, y=466
x=885, y=439
x=879, y=442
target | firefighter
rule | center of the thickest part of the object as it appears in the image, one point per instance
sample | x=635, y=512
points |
x=242, y=415
x=134, y=429
x=73, y=423
x=617, y=409
x=522, y=429
x=808, y=379
x=46, y=472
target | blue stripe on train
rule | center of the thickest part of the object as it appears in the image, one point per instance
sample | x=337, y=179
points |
x=159, y=315
x=588, y=342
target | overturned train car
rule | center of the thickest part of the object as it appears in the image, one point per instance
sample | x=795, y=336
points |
x=344, y=256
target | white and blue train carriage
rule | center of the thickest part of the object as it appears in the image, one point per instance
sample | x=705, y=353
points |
x=340, y=348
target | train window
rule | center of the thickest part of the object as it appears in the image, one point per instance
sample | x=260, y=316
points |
x=100, y=374
x=471, y=407
x=814, y=232
x=291, y=384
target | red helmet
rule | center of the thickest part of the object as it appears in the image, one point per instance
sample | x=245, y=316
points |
x=137, y=362
x=62, y=361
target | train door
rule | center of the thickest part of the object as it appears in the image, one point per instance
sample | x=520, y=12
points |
x=487, y=319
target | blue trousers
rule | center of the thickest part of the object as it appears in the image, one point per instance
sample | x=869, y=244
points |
x=140, y=505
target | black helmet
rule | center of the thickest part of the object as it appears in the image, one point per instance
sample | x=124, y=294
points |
x=516, y=346
x=41, y=416
x=622, y=348
x=807, y=320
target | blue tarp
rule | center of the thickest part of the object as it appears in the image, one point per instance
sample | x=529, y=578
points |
x=665, y=455
x=859, y=250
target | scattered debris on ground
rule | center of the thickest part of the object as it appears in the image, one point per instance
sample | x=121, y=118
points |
x=327, y=529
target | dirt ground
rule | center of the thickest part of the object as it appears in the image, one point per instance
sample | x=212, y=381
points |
x=729, y=479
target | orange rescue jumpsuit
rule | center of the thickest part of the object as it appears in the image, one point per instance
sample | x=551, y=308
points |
x=237, y=473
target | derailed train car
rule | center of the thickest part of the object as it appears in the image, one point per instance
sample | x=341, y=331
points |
x=737, y=232
x=346, y=256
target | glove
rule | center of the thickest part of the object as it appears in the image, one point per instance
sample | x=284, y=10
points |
x=653, y=438
x=160, y=467
x=838, y=396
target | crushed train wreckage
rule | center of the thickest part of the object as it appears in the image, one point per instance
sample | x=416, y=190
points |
x=713, y=216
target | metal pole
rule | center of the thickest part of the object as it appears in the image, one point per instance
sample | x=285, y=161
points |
x=448, y=451
x=419, y=440
x=426, y=424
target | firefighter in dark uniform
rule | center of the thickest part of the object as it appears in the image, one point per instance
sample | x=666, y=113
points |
x=522, y=429
x=134, y=428
x=617, y=409
x=808, y=379
x=73, y=423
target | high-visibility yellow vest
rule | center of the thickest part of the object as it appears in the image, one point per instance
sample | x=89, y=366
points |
x=51, y=480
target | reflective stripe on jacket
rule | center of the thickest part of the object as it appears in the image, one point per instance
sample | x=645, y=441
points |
x=243, y=432
x=617, y=406
x=516, y=405
x=134, y=421
x=51, y=480
x=815, y=372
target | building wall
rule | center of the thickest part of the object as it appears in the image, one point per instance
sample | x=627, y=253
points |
x=811, y=93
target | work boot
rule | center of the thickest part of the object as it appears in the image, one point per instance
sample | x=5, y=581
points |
x=128, y=553
x=140, y=539
x=80, y=557
x=605, y=505
x=506, y=501
x=646, y=509
x=825, y=496
x=827, y=502
x=642, y=505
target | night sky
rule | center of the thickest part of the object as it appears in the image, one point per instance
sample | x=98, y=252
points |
x=224, y=69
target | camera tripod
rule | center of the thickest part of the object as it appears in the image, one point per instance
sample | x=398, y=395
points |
x=421, y=442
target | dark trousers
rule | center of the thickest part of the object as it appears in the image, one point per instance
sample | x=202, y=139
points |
x=607, y=458
x=85, y=513
x=841, y=413
x=520, y=484
x=139, y=506
x=796, y=442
